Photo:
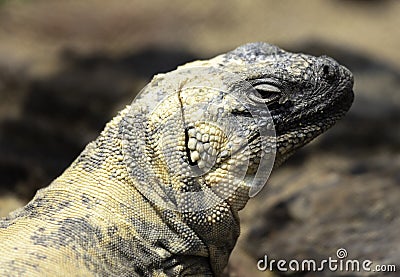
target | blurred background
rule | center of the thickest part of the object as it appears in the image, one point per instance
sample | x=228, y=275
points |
x=67, y=67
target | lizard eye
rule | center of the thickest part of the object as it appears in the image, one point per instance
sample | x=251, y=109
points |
x=266, y=93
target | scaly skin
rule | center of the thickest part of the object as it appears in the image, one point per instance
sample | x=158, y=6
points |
x=108, y=213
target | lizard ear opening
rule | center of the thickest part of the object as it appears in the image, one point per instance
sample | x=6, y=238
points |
x=190, y=146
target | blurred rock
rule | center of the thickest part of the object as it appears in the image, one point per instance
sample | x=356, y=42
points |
x=61, y=113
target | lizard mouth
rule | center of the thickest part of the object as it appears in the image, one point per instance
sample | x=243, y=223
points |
x=316, y=119
x=303, y=129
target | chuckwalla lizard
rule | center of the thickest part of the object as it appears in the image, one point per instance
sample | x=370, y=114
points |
x=158, y=192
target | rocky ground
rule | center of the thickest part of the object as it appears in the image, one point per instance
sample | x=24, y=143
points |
x=67, y=67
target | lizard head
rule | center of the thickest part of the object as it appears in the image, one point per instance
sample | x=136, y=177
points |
x=305, y=95
x=215, y=124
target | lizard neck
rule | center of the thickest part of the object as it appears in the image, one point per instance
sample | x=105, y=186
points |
x=100, y=194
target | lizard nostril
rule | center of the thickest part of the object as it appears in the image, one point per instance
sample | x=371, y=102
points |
x=326, y=69
x=329, y=72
